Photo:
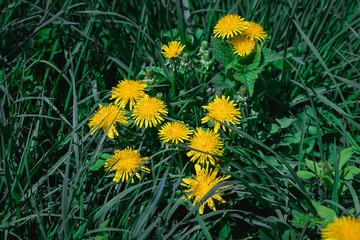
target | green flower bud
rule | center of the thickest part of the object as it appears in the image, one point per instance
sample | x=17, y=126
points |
x=160, y=96
x=242, y=90
x=185, y=57
x=149, y=73
x=204, y=44
x=206, y=55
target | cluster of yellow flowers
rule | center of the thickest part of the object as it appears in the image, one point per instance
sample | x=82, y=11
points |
x=147, y=111
x=241, y=34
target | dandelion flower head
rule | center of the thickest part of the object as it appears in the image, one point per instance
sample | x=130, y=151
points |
x=173, y=50
x=222, y=110
x=344, y=228
x=124, y=163
x=106, y=117
x=207, y=142
x=229, y=26
x=201, y=184
x=128, y=91
x=255, y=32
x=148, y=110
x=174, y=132
x=242, y=45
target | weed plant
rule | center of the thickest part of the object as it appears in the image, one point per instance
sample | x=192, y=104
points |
x=286, y=168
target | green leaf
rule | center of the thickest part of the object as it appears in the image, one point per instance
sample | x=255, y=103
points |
x=222, y=52
x=305, y=174
x=345, y=155
x=220, y=84
x=224, y=232
x=175, y=32
x=100, y=162
x=270, y=55
x=327, y=214
x=350, y=171
x=285, y=122
x=313, y=166
x=198, y=33
x=247, y=78
x=300, y=219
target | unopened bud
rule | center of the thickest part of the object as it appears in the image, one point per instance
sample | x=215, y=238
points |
x=206, y=55
x=160, y=96
x=204, y=44
x=149, y=73
x=185, y=57
x=242, y=90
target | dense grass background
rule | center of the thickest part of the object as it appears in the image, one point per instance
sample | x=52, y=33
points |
x=59, y=59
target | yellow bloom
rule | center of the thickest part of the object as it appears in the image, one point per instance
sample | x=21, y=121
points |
x=222, y=110
x=242, y=45
x=174, y=132
x=173, y=50
x=148, y=110
x=255, y=32
x=106, y=117
x=201, y=184
x=229, y=26
x=125, y=162
x=207, y=142
x=344, y=228
x=128, y=91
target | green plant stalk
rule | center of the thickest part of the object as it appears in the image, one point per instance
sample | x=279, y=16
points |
x=173, y=76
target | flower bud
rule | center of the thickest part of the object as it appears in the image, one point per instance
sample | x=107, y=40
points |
x=185, y=57
x=149, y=73
x=159, y=96
x=242, y=90
x=206, y=55
x=204, y=44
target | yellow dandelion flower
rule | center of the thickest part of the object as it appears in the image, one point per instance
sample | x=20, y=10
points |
x=344, y=228
x=207, y=142
x=242, y=45
x=148, y=110
x=201, y=184
x=124, y=163
x=106, y=117
x=128, y=91
x=222, y=110
x=255, y=32
x=173, y=50
x=229, y=26
x=174, y=132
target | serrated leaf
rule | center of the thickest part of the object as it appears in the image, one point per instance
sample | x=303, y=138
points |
x=270, y=55
x=257, y=58
x=248, y=79
x=350, y=171
x=285, y=122
x=327, y=214
x=222, y=51
x=300, y=220
x=305, y=174
x=313, y=166
x=345, y=155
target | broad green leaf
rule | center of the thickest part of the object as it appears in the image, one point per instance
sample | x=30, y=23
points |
x=313, y=166
x=285, y=122
x=270, y=55
x=300, y=219
x=305, y=174
x=350, y=171
x=248, y=79
x=224, y=232
x=222, y=52
x=345, y=155
x=198, y=33
x=327, y=214
x=100, y=162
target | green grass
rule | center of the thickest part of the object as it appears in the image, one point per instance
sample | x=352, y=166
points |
x=60, y=59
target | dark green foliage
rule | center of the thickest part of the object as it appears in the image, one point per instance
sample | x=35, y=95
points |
x=294, y=159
